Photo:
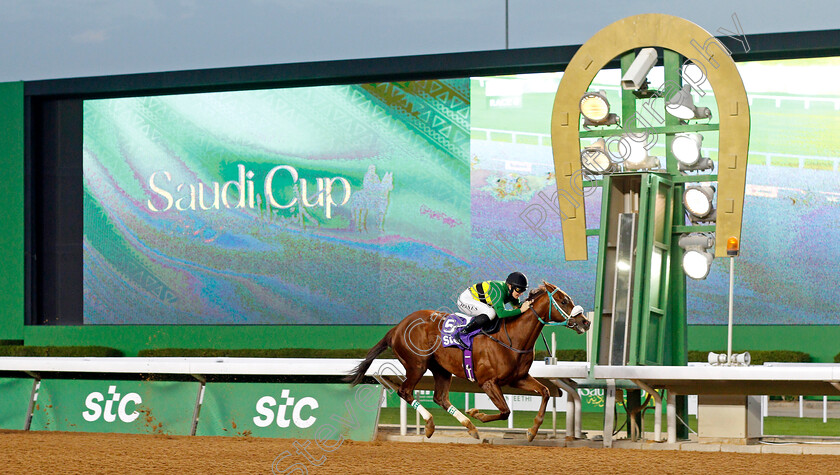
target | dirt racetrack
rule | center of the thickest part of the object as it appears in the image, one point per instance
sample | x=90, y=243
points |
x=66, y=452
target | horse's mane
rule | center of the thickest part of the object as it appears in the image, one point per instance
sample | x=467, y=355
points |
x=534, y=293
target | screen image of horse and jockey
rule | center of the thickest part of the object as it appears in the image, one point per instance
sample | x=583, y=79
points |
x=359, y=204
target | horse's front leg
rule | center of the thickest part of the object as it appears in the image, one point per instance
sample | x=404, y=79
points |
x=492, y=389
x=528, y=383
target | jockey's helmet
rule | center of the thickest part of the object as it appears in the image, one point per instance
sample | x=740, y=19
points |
x=517, y=281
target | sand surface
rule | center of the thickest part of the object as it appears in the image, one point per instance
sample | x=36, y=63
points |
x=65, y=452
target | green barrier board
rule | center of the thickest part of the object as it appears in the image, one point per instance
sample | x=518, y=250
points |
x=306, y=411
x=136, y=407
x=592, y=398
x=14, y=394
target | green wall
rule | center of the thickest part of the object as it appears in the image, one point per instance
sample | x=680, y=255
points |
x=822, y=342
x=132, y=338
x=11, y=211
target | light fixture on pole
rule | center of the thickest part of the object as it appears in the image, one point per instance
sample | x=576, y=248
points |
x=686, y=147
x=681, y=105
x=733, y=247
x=697, y=260
x=596, y=109
x=633, y=150
x=698, y=202
x=594, y=158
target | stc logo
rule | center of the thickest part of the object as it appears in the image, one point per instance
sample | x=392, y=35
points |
x=94, y=399
x=266, y=404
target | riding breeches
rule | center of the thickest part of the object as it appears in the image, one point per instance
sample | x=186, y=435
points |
x=473, y=307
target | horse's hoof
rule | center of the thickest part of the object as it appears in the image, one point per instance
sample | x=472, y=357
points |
x=474, y=434
x=472, y=412
x=531, y=434
x=430, y=429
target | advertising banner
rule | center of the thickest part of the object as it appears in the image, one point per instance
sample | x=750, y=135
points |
x=135, y=407
x=14, y=392
x=304, y=411
x=594, y=399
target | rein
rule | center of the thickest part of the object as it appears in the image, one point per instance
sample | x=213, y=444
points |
x=568, y=320
x=521, y=352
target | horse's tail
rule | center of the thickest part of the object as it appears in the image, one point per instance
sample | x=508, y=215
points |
x=358, y=374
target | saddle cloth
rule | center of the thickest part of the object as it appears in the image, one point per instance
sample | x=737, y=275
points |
x=450, y=331
x=450, y=336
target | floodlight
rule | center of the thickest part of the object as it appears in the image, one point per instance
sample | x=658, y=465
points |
x=697, y=260
x=687, y=148
x=698, y=202
x=636, y=75
x=681, y=105
x=595, y=159
x=633, y=152
x=596, y=109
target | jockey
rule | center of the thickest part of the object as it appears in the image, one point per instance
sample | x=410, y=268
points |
x=486, y=300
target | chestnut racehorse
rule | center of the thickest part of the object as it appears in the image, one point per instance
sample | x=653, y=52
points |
x=416, y=343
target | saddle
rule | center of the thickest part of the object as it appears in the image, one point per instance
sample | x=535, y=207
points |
x=451, y=337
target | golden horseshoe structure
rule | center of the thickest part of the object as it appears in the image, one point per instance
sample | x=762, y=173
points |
x=692, y=42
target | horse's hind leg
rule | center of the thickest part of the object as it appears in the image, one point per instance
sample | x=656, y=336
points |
x=406, y=391
x=528, y=383
x=443, y=379
x=492, y=389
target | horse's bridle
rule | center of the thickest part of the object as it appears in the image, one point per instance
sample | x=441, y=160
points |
x=576, y=310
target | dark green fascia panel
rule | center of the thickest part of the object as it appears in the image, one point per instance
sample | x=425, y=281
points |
x=11, y=211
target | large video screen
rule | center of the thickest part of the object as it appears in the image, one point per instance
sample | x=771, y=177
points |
x=359, y=204
x=339, y=204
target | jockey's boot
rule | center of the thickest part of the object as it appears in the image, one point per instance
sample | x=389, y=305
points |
x=476, y=323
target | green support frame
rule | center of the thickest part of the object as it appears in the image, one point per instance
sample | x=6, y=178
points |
x=658, y=330
x=657, y=323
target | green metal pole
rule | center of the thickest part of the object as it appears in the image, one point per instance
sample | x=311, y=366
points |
x=606, y=192
x=677, y=314
x=633, y=397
